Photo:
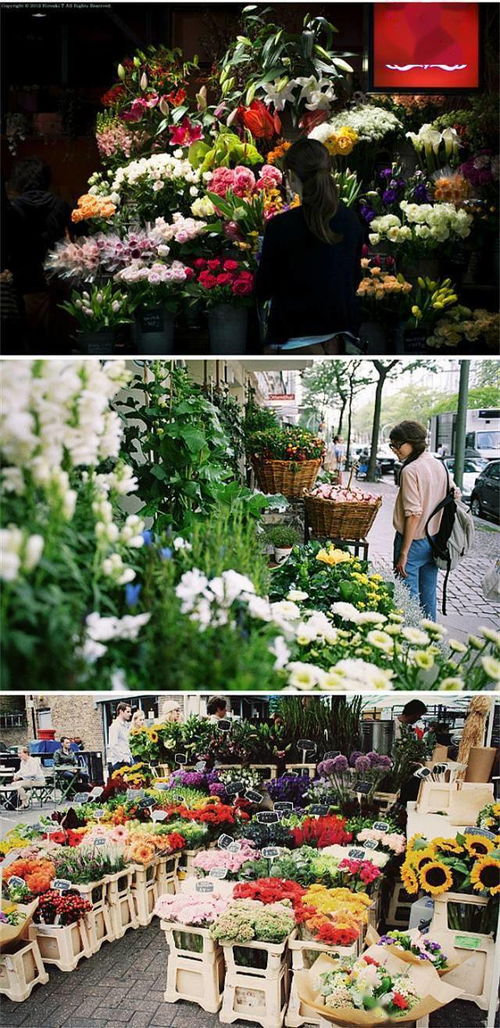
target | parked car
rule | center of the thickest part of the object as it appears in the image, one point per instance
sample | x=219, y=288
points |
x=385, y=458
x=485, y=496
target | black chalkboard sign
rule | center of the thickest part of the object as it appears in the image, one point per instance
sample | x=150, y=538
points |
x=234, y=847
x=151, y=319
x=356, y=854
x=318, y=808
x=270, y=852
x=371, y=844
x=267, y=817
x=224, y=841
x=233, y=788
x=253, y=796
x=331, y=754
x=180, y=758
x=363, y=787
x=224, y=725
x=381, y=826
x=283, y=805
x=306, y=744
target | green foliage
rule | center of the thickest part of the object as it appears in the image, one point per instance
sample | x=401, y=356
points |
x=182, y=457
x=325, y=584
x=227, y=150
x=330, y=723
x=480, y=397
x=257, y=418
x=282, y=536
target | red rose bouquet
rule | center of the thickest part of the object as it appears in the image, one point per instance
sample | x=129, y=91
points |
x=221, y=280
x=321, y=832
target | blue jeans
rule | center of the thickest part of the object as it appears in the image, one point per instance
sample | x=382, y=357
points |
x=422, y=573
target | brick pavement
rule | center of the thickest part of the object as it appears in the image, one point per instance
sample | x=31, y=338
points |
x=123, y=984
x=467, y=607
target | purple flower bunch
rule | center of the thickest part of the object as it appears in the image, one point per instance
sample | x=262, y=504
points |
x=207, y=781
x=482, y=169
x=289, y=789
x=358, y=761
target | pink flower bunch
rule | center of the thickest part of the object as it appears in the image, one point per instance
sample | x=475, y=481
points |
x=181, y=229
x=269, y=177
x=191, y=908
x=342, y=495
x=242, y=182
x=232, y=862
x=362, y=869
x=138, y=107
x=185, y=133
x=78, y=260
x=114, y=138
x=392, y=840
x=157, y=274
x=119, y=253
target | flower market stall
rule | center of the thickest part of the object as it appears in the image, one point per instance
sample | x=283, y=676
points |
x=167, y=238
x=275, y=895
x=134, y=555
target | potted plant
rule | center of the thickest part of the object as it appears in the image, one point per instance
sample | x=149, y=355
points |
x=283, y=538
x=98, y=311
x=156, y=296
x=225, y=286
x=285, y=459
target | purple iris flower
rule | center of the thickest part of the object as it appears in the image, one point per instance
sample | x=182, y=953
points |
x=389, y=196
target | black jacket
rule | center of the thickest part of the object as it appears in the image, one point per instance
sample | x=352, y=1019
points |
x=312, y=285
x=38, y=219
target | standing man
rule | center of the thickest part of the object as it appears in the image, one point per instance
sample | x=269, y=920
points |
x=119, y=754
x=217, y=709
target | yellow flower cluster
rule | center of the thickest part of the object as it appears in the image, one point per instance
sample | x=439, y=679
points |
x=477, y=324
x=377, y=284
x=332, y=556
x=11, y=842
x=329, y=901
x=342, y=142
x=424, y=867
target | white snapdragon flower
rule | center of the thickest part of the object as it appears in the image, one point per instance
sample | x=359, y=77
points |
x=19, y=551
x=114, y=568
x=280, y=651
x=181, y=544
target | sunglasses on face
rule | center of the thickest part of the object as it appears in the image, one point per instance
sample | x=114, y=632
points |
x=395, y=446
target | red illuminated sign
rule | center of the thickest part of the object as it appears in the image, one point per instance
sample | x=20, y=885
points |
x=281, y=397
x=427, y=47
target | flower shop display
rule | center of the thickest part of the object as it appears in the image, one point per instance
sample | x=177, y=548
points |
x=285, y=460
x=336, y=512
x=62, y=932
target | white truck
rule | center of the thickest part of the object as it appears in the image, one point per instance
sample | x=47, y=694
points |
x=482, y=433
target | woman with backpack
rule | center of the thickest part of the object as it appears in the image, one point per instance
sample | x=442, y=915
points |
x=423, y=484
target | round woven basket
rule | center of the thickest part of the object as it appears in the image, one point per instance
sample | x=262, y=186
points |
x=329, y=519
x=291, y=478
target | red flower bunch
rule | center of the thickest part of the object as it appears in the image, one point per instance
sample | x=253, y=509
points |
x=400, y=1001
x=185, y=133
x=363, y=869
x=176, y=98
x=321, y=832
x=228, y=276
x=325, y=930
x=273, y=890
x=175, y=841
x=67, y=907
x=113, y=96
x=259, y=121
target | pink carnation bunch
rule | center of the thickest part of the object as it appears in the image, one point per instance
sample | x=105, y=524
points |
x=181, y=229
x=232, y=862
x=269, y=177
x=239, y=180
x=191, y=909
x=391, y=840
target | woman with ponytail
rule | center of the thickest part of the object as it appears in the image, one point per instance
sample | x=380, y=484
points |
x=423, y=484
x=310, y=266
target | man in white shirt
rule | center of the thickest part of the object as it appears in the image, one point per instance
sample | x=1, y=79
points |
x=119, y=754
x=30, y=773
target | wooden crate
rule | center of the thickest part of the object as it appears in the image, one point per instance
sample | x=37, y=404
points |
x=64, y=945
x=253, y=992
x=21, y=968
x=475, y=975
x=196, y=975
x=145, y=891
x=100, y=926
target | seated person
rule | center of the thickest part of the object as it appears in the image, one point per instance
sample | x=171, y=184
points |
x=30, y=773
x=66, y=758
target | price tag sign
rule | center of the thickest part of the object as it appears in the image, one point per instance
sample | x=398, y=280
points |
x=134, y=794
x=234, y=847
x=204, y=886
x=268, y=817
x=99, y=813
x=331, y=754
x=283, y=805
x=467, y=941
x=356, y=854
x=381, y=826
x=159, y=815
x=320, y=809
x=371, y=844
x=61, y=884
x=180, y=758
x=96, y=792
x=423, y=772
x=161, y=787
x=14, y=880
x=224, y=725
x=233, y=788
x=363, y=787
x=224, y=842
x=200, y=765
x=218, y=872
x=270, y=852
x=306, y=744
x=83, y=797
x=479, y=831
x=254, y=796
x=100, y=840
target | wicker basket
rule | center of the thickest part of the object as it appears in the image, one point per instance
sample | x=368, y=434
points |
x=290, y=478
x=329, y=519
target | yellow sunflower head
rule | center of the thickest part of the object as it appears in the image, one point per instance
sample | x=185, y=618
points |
x=409, y=879
x=419, y=858
x=435, y=878
x=478, y=845
x=447, y=846
x=417, y=842
x=485, y=875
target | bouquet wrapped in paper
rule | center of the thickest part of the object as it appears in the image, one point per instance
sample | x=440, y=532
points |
x=374, y=990
x=14, y=920
x=415, y=948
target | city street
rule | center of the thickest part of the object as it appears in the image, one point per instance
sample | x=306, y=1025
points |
x=467, y=608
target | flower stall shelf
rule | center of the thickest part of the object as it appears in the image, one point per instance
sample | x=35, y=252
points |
x=195, y=968
x=400, y=903
x=64, y=945
x=166, y=876
x=21, y=966
x=455, y=908
x=336, y=512
x=98, y=918
x=385, y=800
x=304, y=955
x=121, y=903
x=257, y=983
x=145, y=890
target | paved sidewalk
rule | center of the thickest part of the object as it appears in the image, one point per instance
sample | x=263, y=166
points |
x=467, y=608
x=123, y=985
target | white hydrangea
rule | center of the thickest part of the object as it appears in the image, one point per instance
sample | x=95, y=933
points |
x=371, y=123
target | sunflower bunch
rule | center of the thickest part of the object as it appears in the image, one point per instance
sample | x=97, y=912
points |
x=489, y=818
x=466, y=863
